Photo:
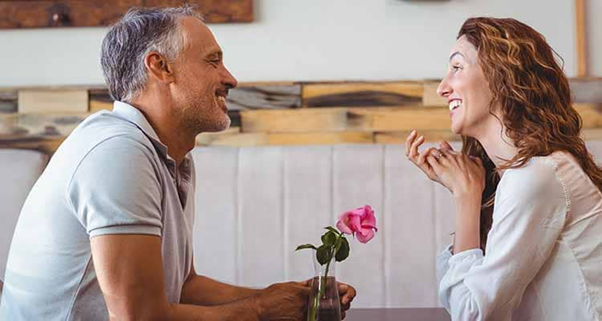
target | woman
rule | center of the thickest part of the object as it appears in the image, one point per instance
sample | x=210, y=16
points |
x=527, y=194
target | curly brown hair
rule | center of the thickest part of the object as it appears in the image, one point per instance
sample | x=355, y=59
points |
x=537, y=111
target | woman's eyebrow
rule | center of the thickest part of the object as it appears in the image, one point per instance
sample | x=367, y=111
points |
x=457, y=53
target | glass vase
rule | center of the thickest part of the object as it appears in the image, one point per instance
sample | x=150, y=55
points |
x=324, y=303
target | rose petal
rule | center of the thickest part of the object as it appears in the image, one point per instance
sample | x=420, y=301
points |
x=370, y=227
x=358, y=211
x=355, y=223
x=369, y=221
x=360, y=220
x=369, y=215
x=343, y=224
x=365, y=236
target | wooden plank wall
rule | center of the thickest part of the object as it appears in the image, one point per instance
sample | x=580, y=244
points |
x=275, y=113
x=16, y=14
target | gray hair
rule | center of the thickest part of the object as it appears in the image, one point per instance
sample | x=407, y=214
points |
x=127, y=43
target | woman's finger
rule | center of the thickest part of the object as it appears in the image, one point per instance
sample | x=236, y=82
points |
x=451, y=157
x=409, y=142
x=422, y=156
x=435, y=165
x=448, y=155
x=444, y=145
x=414, y=147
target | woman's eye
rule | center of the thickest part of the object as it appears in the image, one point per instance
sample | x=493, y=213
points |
x=456, y=68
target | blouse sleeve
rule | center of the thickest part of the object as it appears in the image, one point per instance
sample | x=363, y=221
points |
x=529, y=214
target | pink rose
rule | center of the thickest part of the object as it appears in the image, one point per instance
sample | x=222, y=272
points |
x=359, y=222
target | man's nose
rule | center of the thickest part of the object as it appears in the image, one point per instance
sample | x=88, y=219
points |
x=228, y=79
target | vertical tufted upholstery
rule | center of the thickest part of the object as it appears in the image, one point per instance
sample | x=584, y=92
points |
x=255, y=205
x=19, y=170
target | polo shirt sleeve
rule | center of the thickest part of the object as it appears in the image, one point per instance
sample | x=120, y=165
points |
x=116, y=189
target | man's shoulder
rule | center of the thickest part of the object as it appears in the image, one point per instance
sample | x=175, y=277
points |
x=103, y=139
x=108, y=131
x=104, y=125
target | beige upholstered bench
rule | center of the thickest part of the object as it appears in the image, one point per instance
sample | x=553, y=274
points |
x=256, y=204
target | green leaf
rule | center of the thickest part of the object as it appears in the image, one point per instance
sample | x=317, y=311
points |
x=329, y=238
x=338, y=243
x=323, y=254
x=343, y=251
x=333, y=230
x=305, y=246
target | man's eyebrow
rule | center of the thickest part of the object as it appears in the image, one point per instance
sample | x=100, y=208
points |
x=457, y=53
x=217, y=53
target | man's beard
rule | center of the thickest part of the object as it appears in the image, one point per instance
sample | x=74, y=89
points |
x=194, y=121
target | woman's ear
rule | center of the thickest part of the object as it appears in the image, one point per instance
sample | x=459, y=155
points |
x=158, y=67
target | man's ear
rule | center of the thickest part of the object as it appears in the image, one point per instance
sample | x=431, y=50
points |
x=158, y=67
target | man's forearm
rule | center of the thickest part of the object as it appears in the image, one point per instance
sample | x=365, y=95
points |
x=244, y=310
x=200, y=290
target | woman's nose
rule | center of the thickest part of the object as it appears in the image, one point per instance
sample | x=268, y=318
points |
x=444, y=88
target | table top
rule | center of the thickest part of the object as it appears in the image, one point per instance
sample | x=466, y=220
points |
x=398, y=314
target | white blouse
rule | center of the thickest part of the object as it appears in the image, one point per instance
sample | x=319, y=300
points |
x=544, y=250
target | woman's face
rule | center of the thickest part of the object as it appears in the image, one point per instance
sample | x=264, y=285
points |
x=466, y=90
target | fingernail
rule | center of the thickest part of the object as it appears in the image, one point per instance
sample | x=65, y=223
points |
x=413, y=133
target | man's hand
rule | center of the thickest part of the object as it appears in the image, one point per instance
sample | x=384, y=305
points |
x=346, y=293
x=283, y=301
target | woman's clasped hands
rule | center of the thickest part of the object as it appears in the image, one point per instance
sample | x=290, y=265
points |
x=461, y=174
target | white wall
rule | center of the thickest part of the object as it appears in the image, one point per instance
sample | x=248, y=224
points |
x=310, y=40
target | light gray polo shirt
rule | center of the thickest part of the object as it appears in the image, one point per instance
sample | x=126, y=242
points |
x=112, y=175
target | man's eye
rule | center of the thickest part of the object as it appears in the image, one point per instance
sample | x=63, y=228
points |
x=214, y=62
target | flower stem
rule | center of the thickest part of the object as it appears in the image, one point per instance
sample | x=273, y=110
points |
x=313, y=314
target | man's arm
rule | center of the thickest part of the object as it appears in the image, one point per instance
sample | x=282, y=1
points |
x=130, y=273
x=201, y=290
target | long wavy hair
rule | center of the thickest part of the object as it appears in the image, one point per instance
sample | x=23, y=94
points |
x=537, y=111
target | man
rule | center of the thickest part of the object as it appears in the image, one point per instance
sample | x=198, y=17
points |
x=106, y=232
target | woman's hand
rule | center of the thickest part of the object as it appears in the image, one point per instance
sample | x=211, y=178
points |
x=463, y=175
x=419, y=159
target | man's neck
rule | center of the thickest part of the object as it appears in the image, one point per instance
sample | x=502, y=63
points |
x=162, y=116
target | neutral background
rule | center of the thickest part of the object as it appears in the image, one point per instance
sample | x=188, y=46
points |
x=314, y=40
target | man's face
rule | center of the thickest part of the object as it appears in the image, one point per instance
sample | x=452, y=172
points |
x=201, y=80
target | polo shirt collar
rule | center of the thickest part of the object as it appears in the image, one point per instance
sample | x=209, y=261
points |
x=135, y=116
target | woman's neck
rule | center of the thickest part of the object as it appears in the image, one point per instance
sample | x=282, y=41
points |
x=499, y=147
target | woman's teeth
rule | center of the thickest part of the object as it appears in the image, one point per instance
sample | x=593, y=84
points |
x=454, y=104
